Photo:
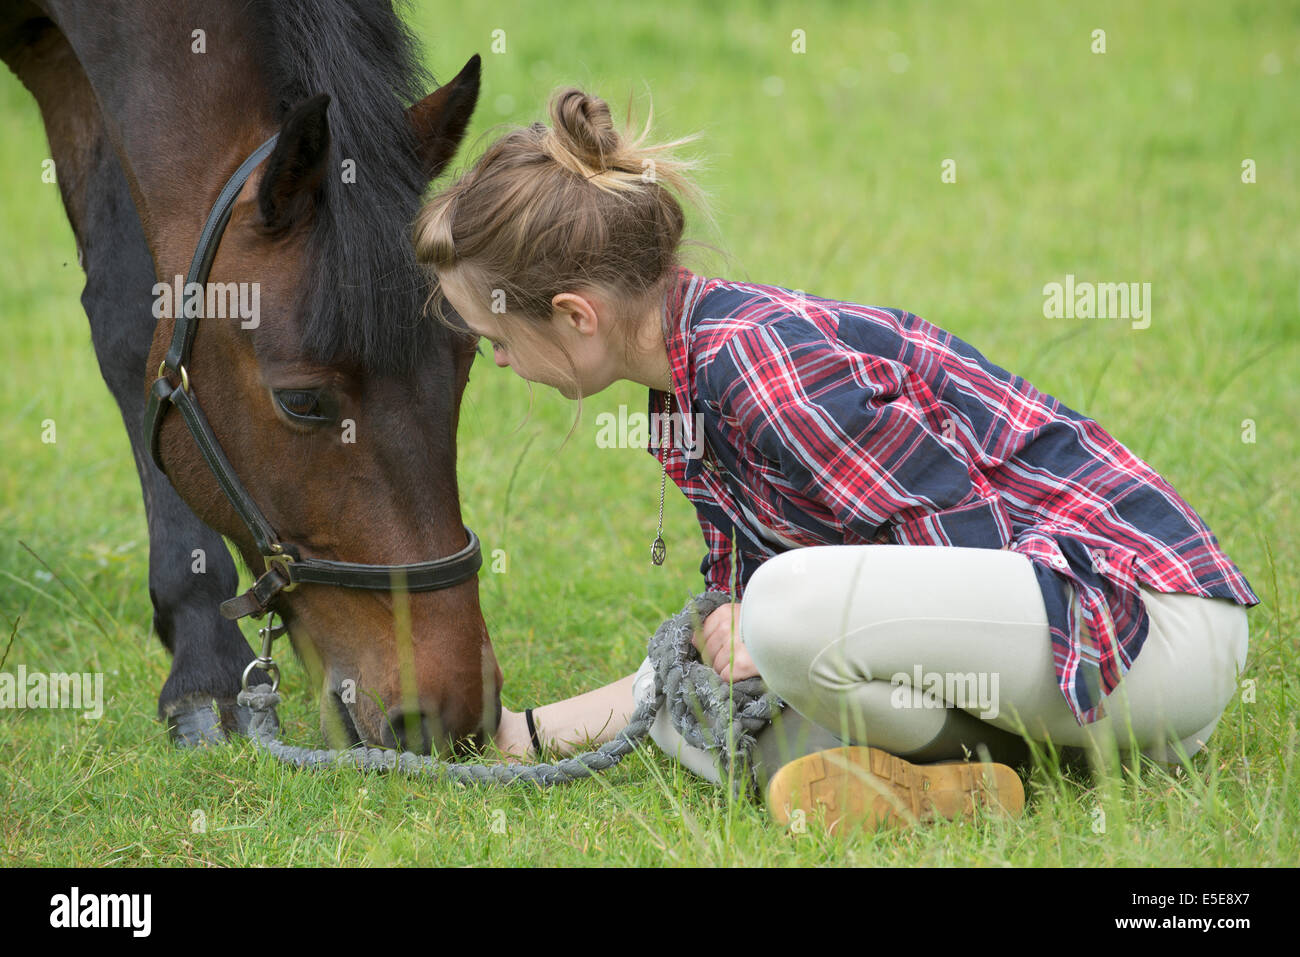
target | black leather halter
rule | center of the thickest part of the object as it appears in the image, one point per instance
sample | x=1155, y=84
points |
x=285, y=568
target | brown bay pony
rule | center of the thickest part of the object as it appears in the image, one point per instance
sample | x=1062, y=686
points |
x=337, y=403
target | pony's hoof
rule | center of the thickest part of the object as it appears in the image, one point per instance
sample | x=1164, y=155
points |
x=210, y=723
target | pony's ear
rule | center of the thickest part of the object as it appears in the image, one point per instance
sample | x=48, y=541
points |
x=296, y=165
x=440, y=119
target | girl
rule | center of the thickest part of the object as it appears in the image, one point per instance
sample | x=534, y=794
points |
x=929, y=558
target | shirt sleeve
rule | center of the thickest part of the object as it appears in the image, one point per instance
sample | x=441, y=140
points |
x=717, y=564
x=848, y=430
x=727, y=566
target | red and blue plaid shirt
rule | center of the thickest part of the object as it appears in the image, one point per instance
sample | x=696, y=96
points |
x=839, y=424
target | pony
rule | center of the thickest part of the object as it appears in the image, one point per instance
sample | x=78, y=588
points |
x=337, y=403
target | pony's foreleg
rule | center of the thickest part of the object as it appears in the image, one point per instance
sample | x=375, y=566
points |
x=190, y=570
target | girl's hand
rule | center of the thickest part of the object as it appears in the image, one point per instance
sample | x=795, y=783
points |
x=714, y=640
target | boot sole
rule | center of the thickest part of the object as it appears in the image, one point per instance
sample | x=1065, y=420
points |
x=866, y=788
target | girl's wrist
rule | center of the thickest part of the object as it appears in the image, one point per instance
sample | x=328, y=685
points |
x=512, y=734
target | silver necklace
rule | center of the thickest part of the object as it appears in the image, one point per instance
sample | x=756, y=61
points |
x=658, y=550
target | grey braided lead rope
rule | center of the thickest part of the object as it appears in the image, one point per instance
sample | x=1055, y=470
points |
x=719, y=720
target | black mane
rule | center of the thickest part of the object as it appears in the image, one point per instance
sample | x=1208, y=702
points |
x=365, y=293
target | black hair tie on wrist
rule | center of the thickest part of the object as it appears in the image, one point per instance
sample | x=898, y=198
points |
x=532, y=731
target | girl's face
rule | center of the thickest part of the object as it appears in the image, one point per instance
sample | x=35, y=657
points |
x=535, y=356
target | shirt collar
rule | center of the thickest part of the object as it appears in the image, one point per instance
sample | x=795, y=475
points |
x=682, y=293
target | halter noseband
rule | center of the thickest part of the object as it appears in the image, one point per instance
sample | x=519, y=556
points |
x=285, y=568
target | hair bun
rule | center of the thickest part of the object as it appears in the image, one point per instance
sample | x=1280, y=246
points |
x=584, y=127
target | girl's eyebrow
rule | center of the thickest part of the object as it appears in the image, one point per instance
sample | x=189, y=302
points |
x=490, y=338
x=470, y=326
x=493, y=335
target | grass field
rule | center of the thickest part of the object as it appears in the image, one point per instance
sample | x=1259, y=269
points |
x=825, y=166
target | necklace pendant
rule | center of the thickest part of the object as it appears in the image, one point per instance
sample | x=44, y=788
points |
x=658, y=550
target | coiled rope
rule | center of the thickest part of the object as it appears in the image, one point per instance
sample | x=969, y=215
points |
x=717, y=718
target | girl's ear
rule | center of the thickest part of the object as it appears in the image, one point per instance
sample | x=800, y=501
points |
x=296, y=166
x=577, y=311
x=440, y=119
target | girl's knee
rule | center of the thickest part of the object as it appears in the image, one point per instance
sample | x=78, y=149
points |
x=671, y=743
x=771, y=610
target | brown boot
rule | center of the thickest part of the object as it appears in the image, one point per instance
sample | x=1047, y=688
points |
x=860, y=787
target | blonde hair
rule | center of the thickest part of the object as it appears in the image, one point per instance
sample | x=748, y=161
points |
x=577, y=205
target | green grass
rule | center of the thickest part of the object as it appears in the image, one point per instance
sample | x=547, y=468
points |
x=1116, y=167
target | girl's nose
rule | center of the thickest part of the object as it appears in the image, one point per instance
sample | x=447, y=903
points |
x=499, y=357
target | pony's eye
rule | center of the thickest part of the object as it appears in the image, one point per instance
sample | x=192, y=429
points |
x=308, y=406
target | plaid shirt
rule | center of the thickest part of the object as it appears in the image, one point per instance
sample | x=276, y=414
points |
x=839, y=424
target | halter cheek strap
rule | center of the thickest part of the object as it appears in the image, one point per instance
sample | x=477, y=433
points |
x=285, y=568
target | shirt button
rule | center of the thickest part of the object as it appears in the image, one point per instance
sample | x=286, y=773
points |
x=1060, y=562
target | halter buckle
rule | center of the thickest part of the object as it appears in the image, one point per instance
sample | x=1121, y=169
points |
x=284, y=560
